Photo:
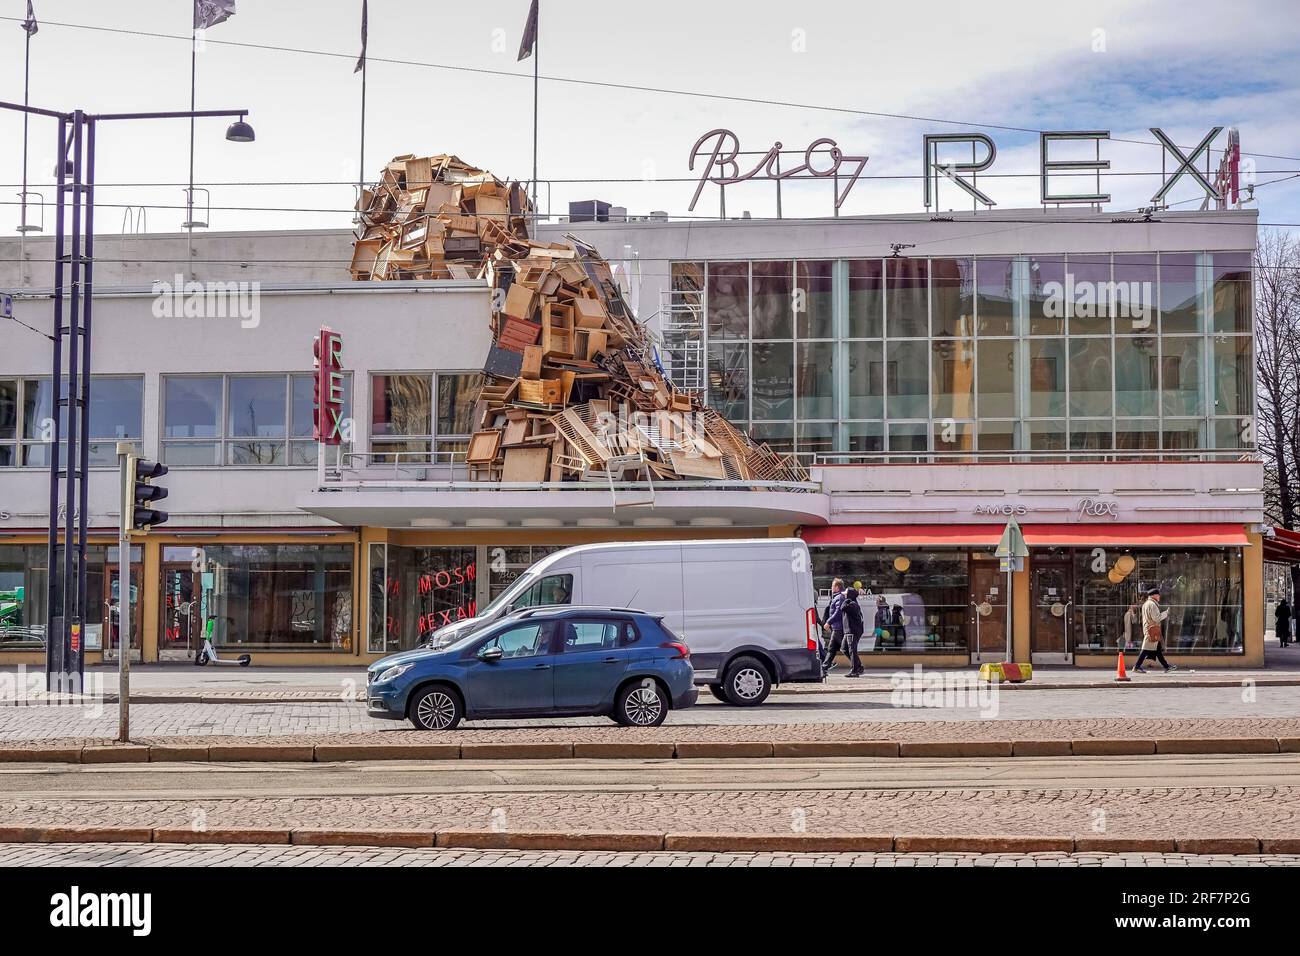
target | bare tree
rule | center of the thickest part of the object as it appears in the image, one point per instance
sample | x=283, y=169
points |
x=1277, y=361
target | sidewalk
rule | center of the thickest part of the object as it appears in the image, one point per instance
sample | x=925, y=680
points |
x=185, y=683
x=936, y=738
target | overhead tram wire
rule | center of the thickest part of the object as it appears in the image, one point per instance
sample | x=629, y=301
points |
x=627, y=87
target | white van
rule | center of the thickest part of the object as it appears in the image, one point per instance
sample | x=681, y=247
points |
x=744, y=607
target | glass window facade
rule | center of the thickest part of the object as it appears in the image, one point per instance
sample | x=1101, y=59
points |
x=269, y=597
x=243, y=420
x=27, y=418
x=416, y=590
x=24, y=580
x=421, y=416
x=1201, y=588
x=1080, y=353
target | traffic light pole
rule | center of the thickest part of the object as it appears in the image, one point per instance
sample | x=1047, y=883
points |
x=127, y=498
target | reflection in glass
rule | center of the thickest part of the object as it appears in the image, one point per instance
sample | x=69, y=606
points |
x=996, y=374
x=866, y=298
x=996, y=299
x=728, y=300
x=1234, y=375
x=773, y=300
x=816, y=373
x=816, y=286
x=1180, y=374
x=1046, y=295
x=773, y=388
x=907, y=380
x=906, y=308
x=866, y=379
x=952, y=300
x=1046, y=378
x=729, y=379
x=953, y=364
x=1231, y=292
x=1180, y=293
x=1090, y=376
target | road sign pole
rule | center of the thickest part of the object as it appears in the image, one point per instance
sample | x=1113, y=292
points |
x=124, y=451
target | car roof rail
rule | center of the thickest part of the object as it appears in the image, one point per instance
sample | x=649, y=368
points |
x=561, y=608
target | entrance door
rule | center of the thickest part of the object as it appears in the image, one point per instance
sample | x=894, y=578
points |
x=987, y=622
x=1052, y=611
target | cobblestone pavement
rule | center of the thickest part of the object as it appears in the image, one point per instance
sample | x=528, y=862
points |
x=1251, y=812
x=1235, y=712
x=188, y=855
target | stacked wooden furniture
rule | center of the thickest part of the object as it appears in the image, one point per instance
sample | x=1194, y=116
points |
x=573, y=389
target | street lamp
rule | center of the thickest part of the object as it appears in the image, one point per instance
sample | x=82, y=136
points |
x=75, y=175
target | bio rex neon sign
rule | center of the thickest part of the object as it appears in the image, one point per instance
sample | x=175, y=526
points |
x=721, y=160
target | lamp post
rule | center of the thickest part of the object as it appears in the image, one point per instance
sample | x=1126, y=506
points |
x=75, y=176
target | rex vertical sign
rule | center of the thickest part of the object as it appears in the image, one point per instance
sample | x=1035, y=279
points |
x=328, y=399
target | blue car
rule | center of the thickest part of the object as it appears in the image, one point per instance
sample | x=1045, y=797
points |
x=540, y=662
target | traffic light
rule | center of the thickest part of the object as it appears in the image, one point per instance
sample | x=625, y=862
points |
x=140, y=474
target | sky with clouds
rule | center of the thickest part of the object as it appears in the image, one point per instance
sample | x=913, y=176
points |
x=1120, y=66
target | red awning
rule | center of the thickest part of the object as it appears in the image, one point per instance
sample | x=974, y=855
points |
x=1283, y=545
x=906, y=535
x=1036, y=535
x=1135, y=535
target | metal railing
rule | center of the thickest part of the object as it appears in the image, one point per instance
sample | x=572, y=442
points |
x=1030, y=457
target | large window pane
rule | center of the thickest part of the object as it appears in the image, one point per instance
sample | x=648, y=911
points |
x=1180, y=293
x=8, y=409
x=115, y=407
x=192, y=453
x=1234, y=375
x=457, y=394
x=401, y=405
x=1046, y=378
x=1089, y=293
x=1181, y=375
x=192, y=407
x=996, y=361
x=907, y=380
x=1046, y=295
x=779, y=435
x=280, y=596
x=909, y=436
x=952, y=437
x=38, y=409
x=773, y=300
x=773, y=387
x=866, y=298
x=257, y=407
x=1231, y=294
x=952, y=298
x=1047, y=436
x=1234, y=433
x=1142, y=434
x=906, y=309
x=953, y=378
x=995, y=294
x=1135, y=294
x=729, y=379
x=1186, y=433
x=815, y=437
x=866, y=436
x=866, y=379
x=997, y=436
x=817, y=380
x=728, y=300
x=815, y=283
x=1136, y=376
x=1090, y=377
x=1086, y=434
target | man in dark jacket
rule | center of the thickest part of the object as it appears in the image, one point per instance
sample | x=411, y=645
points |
x=1283, y=618
x=834, y=620
x=853, y=624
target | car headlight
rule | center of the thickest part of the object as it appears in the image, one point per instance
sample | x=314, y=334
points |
x=393, y=673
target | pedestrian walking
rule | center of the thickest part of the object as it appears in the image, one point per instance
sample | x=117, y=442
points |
x=881, y=622
x=1153, y=633
x=853, y=625
x=834, y=621
x=1283, y=617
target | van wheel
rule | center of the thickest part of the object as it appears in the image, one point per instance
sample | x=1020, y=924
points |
x=436, y=708
x=747, y=683
x=641, y=704
x=717, y=691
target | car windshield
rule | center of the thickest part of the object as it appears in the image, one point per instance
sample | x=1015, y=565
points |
x=508, y=595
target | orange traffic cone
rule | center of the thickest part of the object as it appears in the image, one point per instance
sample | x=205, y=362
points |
x=1121, y=673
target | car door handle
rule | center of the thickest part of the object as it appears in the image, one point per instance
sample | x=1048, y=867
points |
x=541, y=667
x=610, y=660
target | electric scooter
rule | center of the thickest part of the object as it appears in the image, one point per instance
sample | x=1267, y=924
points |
x=206, y=652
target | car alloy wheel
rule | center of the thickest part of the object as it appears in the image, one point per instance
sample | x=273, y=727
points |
x=748, y=683
x=436, y=711
x=644, y=705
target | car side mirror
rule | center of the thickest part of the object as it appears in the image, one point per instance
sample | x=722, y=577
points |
x=490, y=654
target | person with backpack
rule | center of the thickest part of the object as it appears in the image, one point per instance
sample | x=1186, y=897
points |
x=853, y=624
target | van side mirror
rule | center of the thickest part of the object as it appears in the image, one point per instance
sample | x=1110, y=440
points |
x=490, y=654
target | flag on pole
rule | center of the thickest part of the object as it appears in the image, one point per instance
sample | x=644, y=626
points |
x=208, y=13
x=365, y=30
x=30, y=24
x=529, y=43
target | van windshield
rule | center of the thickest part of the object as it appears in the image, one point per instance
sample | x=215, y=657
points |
x=509, y=594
